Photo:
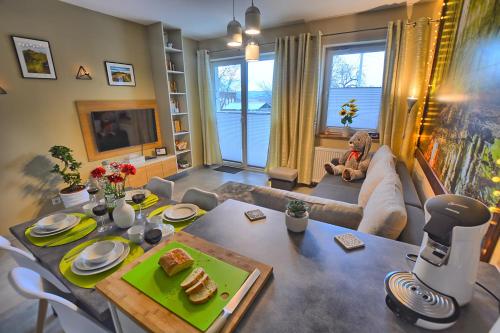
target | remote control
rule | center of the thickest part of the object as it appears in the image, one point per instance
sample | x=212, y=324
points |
x=349, y=241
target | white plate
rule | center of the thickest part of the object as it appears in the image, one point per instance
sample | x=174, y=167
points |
x=114, y=255
x=118, y=261
x=71, y=222
x=180, y=212
x=51, y=223
x=131, y=193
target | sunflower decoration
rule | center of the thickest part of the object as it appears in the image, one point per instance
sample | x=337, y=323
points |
x=348, y=111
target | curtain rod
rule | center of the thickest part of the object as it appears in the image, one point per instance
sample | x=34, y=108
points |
x=335, y=34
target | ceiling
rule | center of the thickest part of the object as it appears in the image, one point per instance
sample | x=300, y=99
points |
x=203, y=19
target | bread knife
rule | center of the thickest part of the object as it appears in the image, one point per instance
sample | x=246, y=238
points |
x=233, y=303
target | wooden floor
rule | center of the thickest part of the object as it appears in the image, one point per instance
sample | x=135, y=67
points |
x=18, y=314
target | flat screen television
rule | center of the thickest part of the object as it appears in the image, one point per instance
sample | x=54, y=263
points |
x=123, y=128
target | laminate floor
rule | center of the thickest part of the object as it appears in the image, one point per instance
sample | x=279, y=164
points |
x=18, y=315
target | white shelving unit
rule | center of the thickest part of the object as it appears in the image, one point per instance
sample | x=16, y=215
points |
x=170, y=88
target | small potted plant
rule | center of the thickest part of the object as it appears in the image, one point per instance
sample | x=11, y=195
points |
x=75, y=193
x=296, y=216
x=348, y=111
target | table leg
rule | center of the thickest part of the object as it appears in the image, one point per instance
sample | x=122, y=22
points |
x=42, y=313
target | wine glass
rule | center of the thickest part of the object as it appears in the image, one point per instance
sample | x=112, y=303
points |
x=138, y=199
x=92, y=189
x=101, y=210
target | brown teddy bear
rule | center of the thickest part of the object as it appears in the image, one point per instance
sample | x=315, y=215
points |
x=354, y=163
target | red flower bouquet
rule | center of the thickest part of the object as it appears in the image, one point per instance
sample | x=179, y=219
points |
x=113, y=179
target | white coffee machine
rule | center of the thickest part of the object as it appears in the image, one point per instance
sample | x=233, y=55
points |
x=445, y=271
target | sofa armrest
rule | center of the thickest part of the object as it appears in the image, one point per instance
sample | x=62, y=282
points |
x=330, y=211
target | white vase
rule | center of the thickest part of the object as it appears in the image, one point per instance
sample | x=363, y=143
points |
x=296, y=224
x=123, y=214
x=75, y=198
x=347, y=132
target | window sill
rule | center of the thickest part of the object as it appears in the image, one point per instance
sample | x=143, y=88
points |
x=339, y=136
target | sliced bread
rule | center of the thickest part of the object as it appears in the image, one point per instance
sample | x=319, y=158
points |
x=198, y=285
x=192, y=278
x=175, y=261
x=204, y=294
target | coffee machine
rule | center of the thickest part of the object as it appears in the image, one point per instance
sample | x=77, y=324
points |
x=445, y=270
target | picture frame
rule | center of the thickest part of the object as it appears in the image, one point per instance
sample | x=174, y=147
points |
x=120, y=74
x=161, y=151
x=34, y=57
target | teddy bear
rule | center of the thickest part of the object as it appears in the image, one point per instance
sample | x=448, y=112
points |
x=354, y=163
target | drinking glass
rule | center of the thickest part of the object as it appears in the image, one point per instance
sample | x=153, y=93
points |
x=101, y=210
x=139, y=199
x=92, y=189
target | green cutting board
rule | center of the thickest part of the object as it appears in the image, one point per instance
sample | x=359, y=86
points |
x=152, y=280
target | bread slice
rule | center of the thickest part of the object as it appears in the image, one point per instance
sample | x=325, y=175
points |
x=175, y=260
x=192, y=278
x=204, y=294
x=198, y=285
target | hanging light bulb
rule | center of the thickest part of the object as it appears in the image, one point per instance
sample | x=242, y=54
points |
x=252, y=51
x=252, y=20
x=234, y=32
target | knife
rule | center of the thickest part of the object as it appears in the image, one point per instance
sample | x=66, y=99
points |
x=233, y=303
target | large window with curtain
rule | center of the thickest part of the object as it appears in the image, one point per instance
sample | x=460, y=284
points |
x=353, y=72
x=243, y=98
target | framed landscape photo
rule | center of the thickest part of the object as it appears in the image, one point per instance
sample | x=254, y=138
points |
x=120, y=74
x=35, y=58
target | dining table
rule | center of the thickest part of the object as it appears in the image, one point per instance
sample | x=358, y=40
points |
x=88, y=299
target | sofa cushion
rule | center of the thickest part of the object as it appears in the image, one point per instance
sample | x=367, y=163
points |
x=324, y=210
x=335, y=188
x=383, y=168
x=410, y=194
x=383, y=153
x=414, y=230
x=385, y=213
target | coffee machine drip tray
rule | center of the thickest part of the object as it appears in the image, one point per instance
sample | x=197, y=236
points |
x=418, y=304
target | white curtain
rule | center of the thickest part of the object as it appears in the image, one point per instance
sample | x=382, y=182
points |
x=405, y=71
x=294, y=104
x=211, y=148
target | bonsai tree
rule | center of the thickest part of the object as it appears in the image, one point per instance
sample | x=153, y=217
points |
x=297, y=208
x=348, y=112
x=69, y=169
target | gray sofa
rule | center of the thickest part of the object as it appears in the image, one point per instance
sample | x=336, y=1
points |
x=334, y=188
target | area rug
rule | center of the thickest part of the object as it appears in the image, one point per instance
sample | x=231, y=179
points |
x=228, y=169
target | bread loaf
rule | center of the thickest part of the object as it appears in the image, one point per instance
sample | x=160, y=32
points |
x=175, y=260
x=198, y=285
x=205, y=293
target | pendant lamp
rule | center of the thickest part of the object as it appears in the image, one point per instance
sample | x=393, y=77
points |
x=234, y=32
x=252, y=20
x=252, y=51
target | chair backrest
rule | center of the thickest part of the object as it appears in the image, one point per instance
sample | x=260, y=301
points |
x=203, y=199
x=25, y=259
x=29, y=284
x=161, y=187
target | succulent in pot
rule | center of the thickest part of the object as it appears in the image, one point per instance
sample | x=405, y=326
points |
x=297, y=216
x=75, y=192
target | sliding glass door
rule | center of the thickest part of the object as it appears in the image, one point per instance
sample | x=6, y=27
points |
x=243, y=95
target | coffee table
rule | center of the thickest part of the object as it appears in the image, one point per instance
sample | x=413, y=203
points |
x=319, y=287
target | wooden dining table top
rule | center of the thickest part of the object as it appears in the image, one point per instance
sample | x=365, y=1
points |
x=89, y=300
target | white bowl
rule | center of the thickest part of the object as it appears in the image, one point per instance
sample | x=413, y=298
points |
x=98, y=252
x=52, y=222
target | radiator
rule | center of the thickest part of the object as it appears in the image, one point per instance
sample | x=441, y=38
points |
x=323, y=155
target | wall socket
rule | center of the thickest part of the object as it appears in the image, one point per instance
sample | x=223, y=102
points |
x=56, y=200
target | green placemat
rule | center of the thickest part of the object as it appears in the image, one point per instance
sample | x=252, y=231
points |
x=90, y=281
x=151, y=200
x=82, y=229
x=177, y=226
x=152, y=280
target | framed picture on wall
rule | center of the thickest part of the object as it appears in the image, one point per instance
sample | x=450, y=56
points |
x=35, y=58
x=120, y=74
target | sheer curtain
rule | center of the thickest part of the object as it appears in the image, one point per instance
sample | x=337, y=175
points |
x=404, y=76
x=294, y=104
x=211, y=148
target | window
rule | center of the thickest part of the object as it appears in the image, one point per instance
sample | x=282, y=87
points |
x=354, y=72
x=243, y=96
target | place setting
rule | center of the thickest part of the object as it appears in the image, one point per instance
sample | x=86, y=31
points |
x=141, y=198
x=179, y=215
x=58, y=229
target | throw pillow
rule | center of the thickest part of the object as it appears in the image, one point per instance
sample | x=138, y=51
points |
x=382, y=168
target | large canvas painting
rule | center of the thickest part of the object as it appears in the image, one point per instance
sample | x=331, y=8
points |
x=461, y=133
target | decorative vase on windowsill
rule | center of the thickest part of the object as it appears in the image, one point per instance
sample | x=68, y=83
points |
x=348, y=111
x=297, y=216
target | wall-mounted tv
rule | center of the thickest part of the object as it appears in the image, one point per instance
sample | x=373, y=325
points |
x=123, y=128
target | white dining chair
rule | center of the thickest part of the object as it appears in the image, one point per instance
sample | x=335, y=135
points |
x=26, y=259
x=73, y=320
x=161, y=187
x=203, y=199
